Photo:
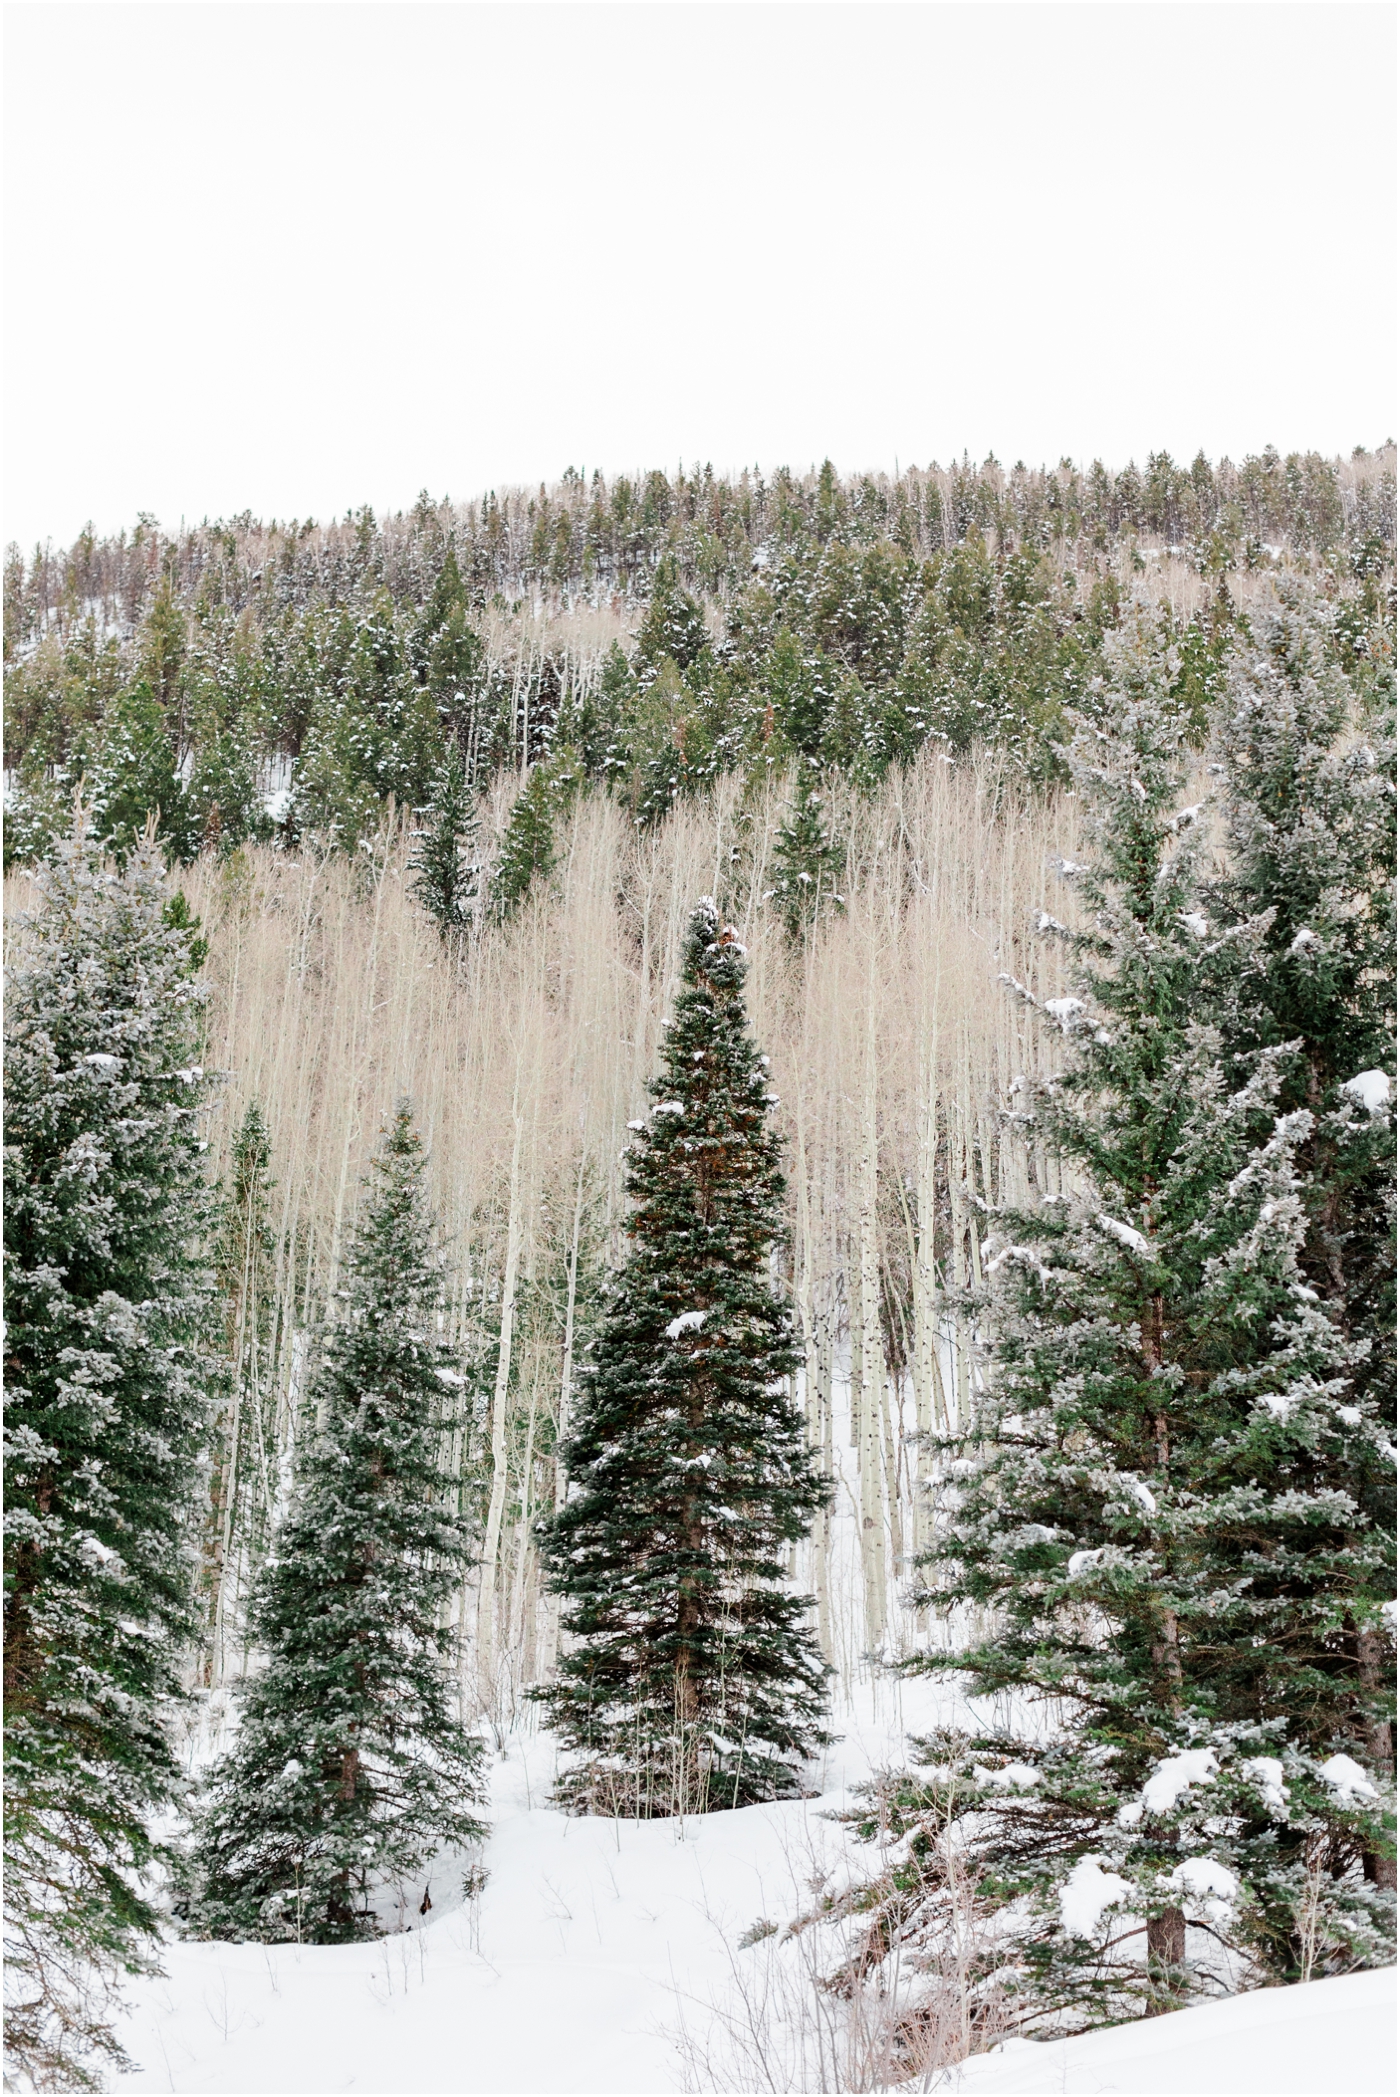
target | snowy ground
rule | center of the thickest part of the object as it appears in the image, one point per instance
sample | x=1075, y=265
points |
x=592, y=1944
x=1334, y=2038
x=595, y=1956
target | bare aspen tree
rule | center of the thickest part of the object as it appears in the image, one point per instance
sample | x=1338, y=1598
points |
x=500, y=1397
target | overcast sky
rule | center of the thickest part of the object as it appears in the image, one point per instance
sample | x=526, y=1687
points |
x=295, y=258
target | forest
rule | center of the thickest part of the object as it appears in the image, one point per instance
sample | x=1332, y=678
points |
x=997, y=865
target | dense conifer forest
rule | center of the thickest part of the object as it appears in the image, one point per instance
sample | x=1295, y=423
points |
x=631, y=1109
x=654, y=633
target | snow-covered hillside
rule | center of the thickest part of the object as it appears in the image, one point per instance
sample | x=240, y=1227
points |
x=1332, y=2038
x=606, y=1956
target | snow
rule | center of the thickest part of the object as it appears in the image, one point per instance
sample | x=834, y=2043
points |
x=594, y=1940
x=1302, y=940
x=1202, y=1876
x=1177, y=1773
x=1370, y=1089
x=1064, y=1011
x=1347, y=1777
x=1194, y=922
x=1081, y=1562
x=1328, y=2038
x=1024, y=1255
x=688, y=1321
x=1267, y=1772
x=1086, y=1893
x=592, y=1943
x=1012, y=1775
x=1124, y=1233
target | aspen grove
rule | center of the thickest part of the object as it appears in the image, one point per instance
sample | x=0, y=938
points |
x=633, y=1109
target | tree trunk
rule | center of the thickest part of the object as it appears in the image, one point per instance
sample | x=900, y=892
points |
x=1166, y=1954
x=491, y=1543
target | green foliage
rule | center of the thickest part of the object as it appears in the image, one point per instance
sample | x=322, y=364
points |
x=375, y=733
x=1308, y=786
x=690, y=1680
x=673, y=630
x=178, y=915
x=107, y=1372
x=133, y=778
x=529, y=847
x=348, y=1771
x=860, y=618
x=808, y=864
x=221, y=807
x=798, y=684
x=446, y=875
x=1171, y=1503
x=242, y=1477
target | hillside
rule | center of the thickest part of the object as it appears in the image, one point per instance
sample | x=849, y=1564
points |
x=1048, y=818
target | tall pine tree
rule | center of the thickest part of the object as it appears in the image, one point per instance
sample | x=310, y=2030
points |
x=1308, y=783
x=1165, y=1506
x=446, y=875
x=348, y=1771
x=808, y=864
x=529, y=846
x=690, y=1681
x=108, y=1290
x=243, y=1470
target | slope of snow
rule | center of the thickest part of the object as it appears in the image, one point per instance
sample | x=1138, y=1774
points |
x=593, y=1942
x=597, y=1944
x=1332, y=2038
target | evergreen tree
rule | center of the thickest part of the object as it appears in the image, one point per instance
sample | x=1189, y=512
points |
x=808, y=863
x=445, y=873
x=220, y=806
x=528, y=846
x=798, y=683
x=674, y=628
x=134, y=778
x=1309, y=790
x=1164, y=1499
x=604, y=747
x=107, y=1301
x=242, y=1478
x=348, y=1771
x=691, y=1681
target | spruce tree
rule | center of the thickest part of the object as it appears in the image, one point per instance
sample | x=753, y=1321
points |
x=444, y=869
x=528, y=847
x=108, y=1289
x=808, y=864
x=674, y=628
x=243, y=1474
x=348, y=1771
x=1165, y=1503
x=690, y=1681
x=134, y=779
x=1308, y=783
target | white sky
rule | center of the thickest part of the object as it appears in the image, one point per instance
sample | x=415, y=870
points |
x=293, y=258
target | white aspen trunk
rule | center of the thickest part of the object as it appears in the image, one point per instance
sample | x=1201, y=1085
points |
x=500, y=1398
x=521, y=1616
x=870, y=1453
x=549, y=1648
x=821, y=1535
x=816, y=1396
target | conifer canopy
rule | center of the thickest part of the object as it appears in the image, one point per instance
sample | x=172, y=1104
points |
x=690, y=1680
x=108, y=1367
x=349, y=1772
